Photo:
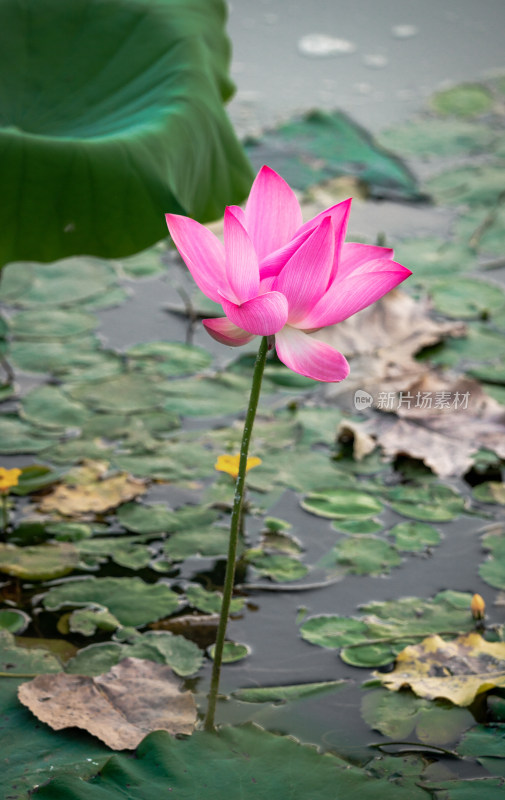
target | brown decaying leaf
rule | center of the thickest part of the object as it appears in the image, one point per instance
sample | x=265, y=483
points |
x=445, y=439
x=120, y=707
x=91, y=491
x=381, y=340
x=457, y=670
x=199, y=628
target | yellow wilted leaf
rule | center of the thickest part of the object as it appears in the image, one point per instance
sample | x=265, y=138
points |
x=91, y=492
x=457, y=670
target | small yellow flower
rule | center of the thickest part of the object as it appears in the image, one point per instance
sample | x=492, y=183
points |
x=228, y=463
x=478, y=607
x=8, y=478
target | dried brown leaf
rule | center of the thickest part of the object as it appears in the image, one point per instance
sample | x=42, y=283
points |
x=444, y=438
x=120, y=707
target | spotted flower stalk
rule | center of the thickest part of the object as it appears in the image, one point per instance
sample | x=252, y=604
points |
x=279, y=278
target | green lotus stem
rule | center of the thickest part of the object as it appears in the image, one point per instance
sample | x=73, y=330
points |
x=234, y=532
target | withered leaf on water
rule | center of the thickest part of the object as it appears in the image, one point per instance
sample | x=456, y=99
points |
x=120, y=707
x=457, y=670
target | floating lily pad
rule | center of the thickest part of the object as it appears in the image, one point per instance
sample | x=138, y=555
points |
x=279, y=568
x=357, y=527
x=480, y=345
x=78, y=359
x=66, y=282
x=429, y=503
x=210, y=602
x=467, y=298
x=232, y=651
x=399, y=714
x=54, y=323
x=483, y=230
x=465, y=100
x=366, y=555
x=146, y=264
x=13, y=620
x=284, y=694
x=17, y=436
x=414, y=536
x=49, y=407
x=38, y=562
x=204, y=541
x=431, y=257
x=468, y=185
x=87, y=621
x=146, y=518
x=125, y=551
x=16, y=660
x=493, y=570
x=490, y=492
x=169, y=358
x=342, y=504
x=128, y=393
x=183, y=656
x=383, y=629
x=207, y=397
x=438, y=138
x=131, y=600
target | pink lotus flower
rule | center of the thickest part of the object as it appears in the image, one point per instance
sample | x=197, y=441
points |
x=275, y=276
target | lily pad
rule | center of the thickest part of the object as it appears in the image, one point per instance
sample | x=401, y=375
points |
x=467, y=298
x=438, y=138
x=342, y=504
x=131, y=600
x=128, y=394
x=24, y=661
x=493, y=570
x=465, y=100
x=49, y=407
x=17, y=436
x=66, y=282
x=38, y=562
x=169, y=358
x=13, y=620
x=383, y=629
x=427, y=503
x=366, y=555
x=468, y=185
x=414, y=536
x=54, y=323
x=183, y=656
x=210, y=602
x=285, y=694
x=203, y=541
x=281, y=568
x=232, y=651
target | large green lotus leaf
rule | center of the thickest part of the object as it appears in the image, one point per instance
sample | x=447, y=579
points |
x=365, y=555
x=38, y=562
x=414, y=536
x=427, y=503
x=469, y=185
x=33, y=753
x=17, y=436
x=342, y=504
x=465, y=100
x=320, y=146
x=48, y=407
x=467, y=298
x=399, y=714
x=124, y=121
x=169, y=358
x=131, y=600
x=184, y=656
x=65, y=282
x=383, y=629
x=247, y=760
x=54, y=323
x=432, y=138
